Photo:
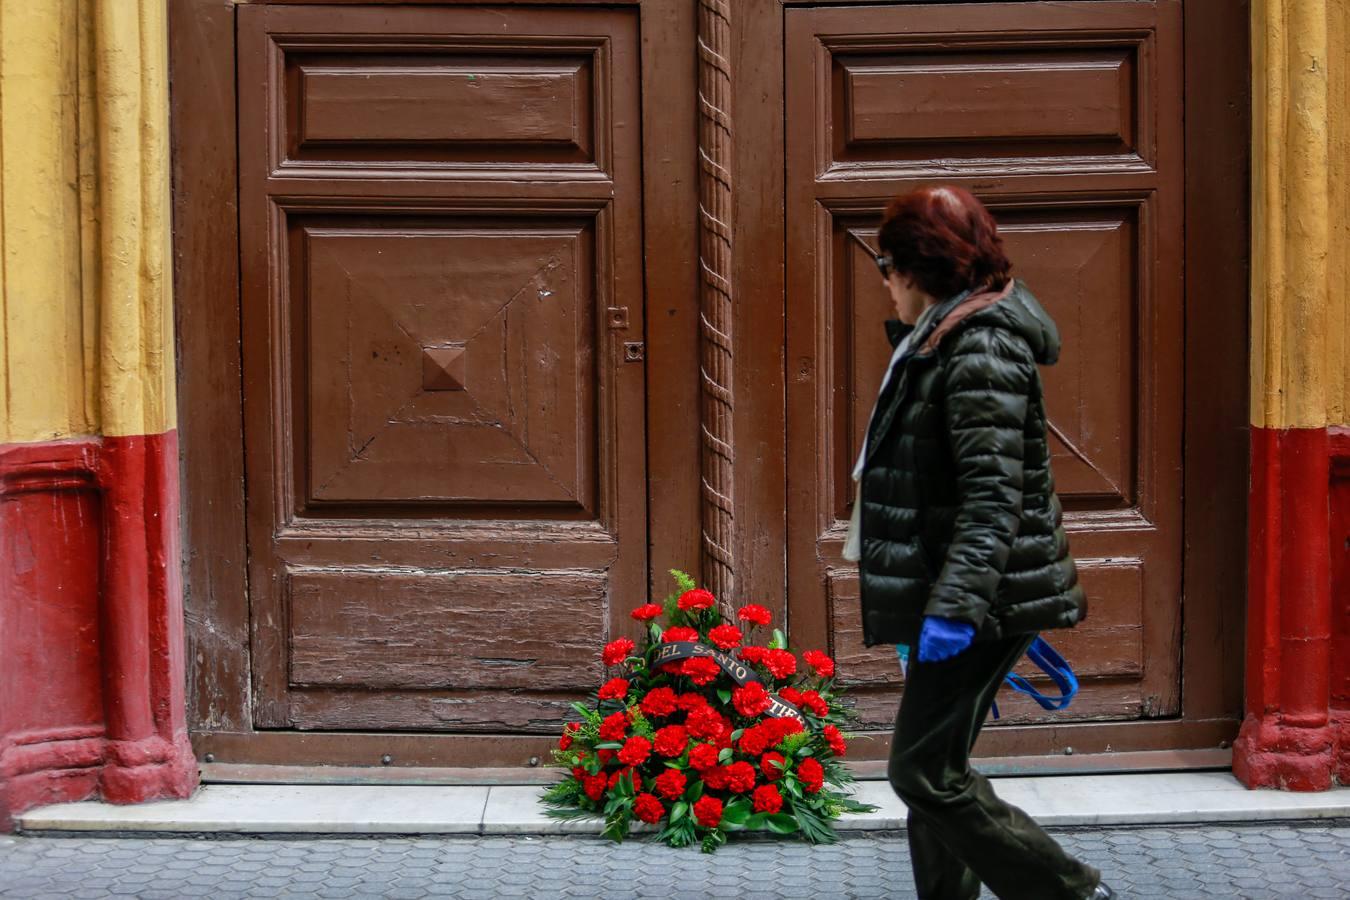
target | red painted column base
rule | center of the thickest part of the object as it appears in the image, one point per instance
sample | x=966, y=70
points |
x=91, y=624
x=1270, y=753
x=1288, y=739
x=148, y=769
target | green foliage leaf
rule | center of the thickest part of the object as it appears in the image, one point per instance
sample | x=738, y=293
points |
x=678, y=811
x=587, y=714
x=683, y=581
x=609, y=745
x=782, y=823
x=695, y=791
x=725, y=696
x=736, y=813
x=778, y=642
x=724, y=755
x=616, y=826
x=814, y=829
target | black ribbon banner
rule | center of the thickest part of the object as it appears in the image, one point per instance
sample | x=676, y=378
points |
x=736, y=670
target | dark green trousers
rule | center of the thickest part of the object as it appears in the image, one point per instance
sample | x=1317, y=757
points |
x=960, y=833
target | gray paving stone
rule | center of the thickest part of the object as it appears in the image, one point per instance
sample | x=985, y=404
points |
x=1253, y=862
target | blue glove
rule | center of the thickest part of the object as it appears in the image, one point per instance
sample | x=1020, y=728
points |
x=941, y=638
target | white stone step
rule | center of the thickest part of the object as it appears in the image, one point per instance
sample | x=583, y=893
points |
x=1077, y=800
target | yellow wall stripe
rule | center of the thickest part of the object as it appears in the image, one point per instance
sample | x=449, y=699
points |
x=86, y=326
x=1300, y=321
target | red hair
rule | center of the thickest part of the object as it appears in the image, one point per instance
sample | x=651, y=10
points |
x=944, y=240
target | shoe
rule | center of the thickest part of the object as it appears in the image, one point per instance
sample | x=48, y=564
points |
x=1103, y=892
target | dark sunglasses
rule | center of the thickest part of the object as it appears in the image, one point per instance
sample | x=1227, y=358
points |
x=885, y=264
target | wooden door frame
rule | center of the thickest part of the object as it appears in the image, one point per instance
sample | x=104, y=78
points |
x=206, y=240
x=1217, y=153
x=205, y=208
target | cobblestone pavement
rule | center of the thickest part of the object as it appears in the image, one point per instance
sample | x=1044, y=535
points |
x=1309, y=861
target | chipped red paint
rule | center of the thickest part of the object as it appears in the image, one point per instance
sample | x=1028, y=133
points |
x=1287, y=740
x=91, y=624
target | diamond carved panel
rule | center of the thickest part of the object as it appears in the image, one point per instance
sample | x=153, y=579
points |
x=446, y=364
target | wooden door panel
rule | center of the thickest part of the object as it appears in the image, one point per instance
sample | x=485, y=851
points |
x=1022, y=91
x=884, y=99
x=445, y=437
x=448, y=363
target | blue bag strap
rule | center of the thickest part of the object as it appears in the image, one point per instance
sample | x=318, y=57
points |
x=1048, y=660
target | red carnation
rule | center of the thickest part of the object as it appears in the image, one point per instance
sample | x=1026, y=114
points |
x=811, y=774
x=595, y=785
x=659, y=702
x=631, y=773
x=702, y=757
x=750, y=700
x=614, y=689
x=701, y=670
x=604, y=756
x=755, y=741
x=791, y=695
x=725, y=636
x=691, y=702
x=670, y=784
x=815, y=703
x=708, y=812
x=679, y=633
x=835, y=740
x=716, y=778
x=647, y=612
x=754, y=614
x=648, y=809
x=635, y=751
x=614, y=726
x=771, y=764
x=740, y=777
x=671, y=740
x=767, y=799
x=781, y=663
x=705, y=723
x=723, y=739
x=822, y=664
x=755, y=655
x=780, y=727
x=696, y=599
x=565, y=741
x=616, y=652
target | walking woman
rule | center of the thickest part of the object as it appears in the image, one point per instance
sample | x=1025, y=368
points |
x=958, y=538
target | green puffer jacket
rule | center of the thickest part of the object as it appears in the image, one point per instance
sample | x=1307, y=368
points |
x=960, y=517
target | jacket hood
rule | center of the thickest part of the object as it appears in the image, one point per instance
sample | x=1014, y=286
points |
x=1013, y=308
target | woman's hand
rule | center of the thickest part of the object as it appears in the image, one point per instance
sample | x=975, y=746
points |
x=941, y=638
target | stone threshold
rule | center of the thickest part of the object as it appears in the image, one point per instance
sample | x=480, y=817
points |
x=1076, y=800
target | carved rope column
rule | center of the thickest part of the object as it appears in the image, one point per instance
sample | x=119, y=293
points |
x=715, y=230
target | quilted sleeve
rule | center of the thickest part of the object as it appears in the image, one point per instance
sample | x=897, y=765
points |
x=988, y=378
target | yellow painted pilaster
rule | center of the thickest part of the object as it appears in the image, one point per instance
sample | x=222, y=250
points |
x=86, y=334
x=1338, y=348
x=1300, y=320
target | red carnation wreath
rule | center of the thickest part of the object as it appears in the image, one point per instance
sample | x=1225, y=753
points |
x=702, y=733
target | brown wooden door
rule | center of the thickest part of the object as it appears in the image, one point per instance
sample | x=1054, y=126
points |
x=1065, y=119
x=442, y=314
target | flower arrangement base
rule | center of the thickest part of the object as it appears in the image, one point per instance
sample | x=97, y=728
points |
x=700, y=733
